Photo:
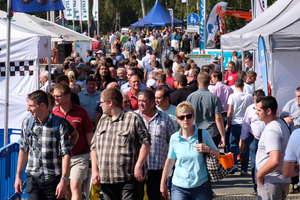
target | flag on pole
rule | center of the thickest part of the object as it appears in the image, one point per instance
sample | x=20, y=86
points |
x=85, y=10
x=28, y=6
x=95, y=10
x=260, y=7
x=77, y=9
x=69, y=9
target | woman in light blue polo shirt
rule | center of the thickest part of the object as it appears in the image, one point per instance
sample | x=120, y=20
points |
x=190, y=179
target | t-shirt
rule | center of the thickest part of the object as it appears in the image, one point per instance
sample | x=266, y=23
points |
x=274, y=138
x=292, y=152
x=166, y=41
x=240, y=102
x=230, y=77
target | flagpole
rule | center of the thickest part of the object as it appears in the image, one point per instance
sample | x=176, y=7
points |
x=88, y=10
x=7, y=70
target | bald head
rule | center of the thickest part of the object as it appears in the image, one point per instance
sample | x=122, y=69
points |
x=113, y=85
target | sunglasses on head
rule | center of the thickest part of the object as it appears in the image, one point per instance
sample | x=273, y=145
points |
x=189, y=116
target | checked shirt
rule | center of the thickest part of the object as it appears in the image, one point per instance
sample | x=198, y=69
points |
x=117, y=144
x=45, y=147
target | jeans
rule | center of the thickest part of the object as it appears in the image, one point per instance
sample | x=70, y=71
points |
x=37, y=188
x=235, y=134
x=167, y=51
x=253, y=149
x=201, y=192
x=245, y=155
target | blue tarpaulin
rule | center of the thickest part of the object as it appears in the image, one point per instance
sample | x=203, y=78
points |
x=157, y=17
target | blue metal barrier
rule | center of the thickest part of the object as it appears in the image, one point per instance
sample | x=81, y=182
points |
x=8, y=168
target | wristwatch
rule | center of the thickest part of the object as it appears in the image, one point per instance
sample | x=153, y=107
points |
x=66, y=180
x=210, y=151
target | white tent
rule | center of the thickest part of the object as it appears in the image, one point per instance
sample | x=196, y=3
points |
x=26, y=49
x=282, y=38
x=39, y=25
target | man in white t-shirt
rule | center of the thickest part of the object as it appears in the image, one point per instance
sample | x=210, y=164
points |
x=271, y=184
x=238, y=103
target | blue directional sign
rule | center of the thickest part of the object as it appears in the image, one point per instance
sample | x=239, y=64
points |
x=193, y=19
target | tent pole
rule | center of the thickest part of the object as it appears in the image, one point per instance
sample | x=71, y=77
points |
x=7, y=70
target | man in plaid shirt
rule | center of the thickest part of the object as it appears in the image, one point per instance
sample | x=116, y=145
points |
x=119, y=149
x=161, y=127
x=45, y=144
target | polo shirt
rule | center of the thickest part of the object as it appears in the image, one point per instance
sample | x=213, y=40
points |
x=89, y=102
x=80, y=120
x=133, y=101
x=179, y=96
x=190, y=169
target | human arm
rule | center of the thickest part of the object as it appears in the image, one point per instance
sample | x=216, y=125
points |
x=143, y=155
x=203, y=148
x=169, y=164
x=272, y=163
x=245, y=129
x=220, y=126
x=229, y=117
x=89, y=137
x=74, y=137
x=61, y=189
x=289, y=120
x=22, y=160
x=95, y=174
x=290, y=169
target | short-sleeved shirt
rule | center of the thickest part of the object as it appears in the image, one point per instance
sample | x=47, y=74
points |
x=166, y=41
x=80, y=119
x=222, y=91
x=292, y=152
x=230, y=77
x=206, y=105
x=275, y=137
x=171, y=112
x=190, y=169
x=292, y=109
x=46, y=144
x=133, y=100
x=89, y=102
x=179, y=96
x=117, y=143
x=161, y=128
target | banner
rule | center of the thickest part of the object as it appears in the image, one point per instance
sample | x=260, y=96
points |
x=263, y=62
x=85, y=10
x=77, y=9
x=260, y=7
x=95, y=10
x=28, y=6
x=202, y=24
x=212, y=22
x=68, y=12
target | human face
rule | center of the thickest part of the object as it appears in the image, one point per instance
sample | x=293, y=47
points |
x=260, y=112
x=213, y=79
x=252, y=79
x=190, y=77
x=60, y=98
x=175, y=83
x=34, y=108
x=43, y=79
x=130, y=73
x=113, y=72
x=159, y=98
x=91, y=86
x=298, y=97
x=105, y=107
x=145, y=105
x=121, y=74
x=248, y=63
x=185, y=122
x=103, y=71
x=134, y=83
x=126, y=102
x=230, y=68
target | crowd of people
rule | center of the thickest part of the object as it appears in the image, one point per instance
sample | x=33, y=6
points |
x=135, y=120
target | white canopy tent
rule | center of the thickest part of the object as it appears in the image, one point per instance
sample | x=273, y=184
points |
x=282, y=38
x=39, y=25
x=26, y=49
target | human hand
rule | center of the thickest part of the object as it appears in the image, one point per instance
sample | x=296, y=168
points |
x=202, y=148
x=96, y=178
x=164, y=190
x=18, y=186
x=61, y=190
x=138, y=173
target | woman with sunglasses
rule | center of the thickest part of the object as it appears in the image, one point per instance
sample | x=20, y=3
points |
x=190, y=180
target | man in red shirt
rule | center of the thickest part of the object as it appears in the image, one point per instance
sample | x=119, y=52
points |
x=135, y=88
x=81, y=121
x=231, y=75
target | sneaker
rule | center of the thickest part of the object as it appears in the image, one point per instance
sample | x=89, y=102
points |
x=233, y=170
x=244, y=173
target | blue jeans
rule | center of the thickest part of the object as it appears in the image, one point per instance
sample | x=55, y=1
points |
x=235, y=133
x=167, y=51
x=253, y=149
x=201, y=192
x=245, y=155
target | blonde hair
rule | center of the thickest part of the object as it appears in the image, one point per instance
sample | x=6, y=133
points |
x=183, y=106
x=71, y=76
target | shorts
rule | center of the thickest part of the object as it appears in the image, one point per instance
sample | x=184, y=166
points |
x=79, y=167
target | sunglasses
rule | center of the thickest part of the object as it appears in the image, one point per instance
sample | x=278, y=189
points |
x=189, y=116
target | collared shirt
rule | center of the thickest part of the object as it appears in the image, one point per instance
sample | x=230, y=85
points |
x=171, y=112
x=146, y=60
x=125, y=87
x=133, y=101
x=89, y=102
x=45, y=149
x=161, y=128
x=131, y=46
x=117, y=143
x=222, y=91
x=251, y=123
x=292, y=109
x=80, y=120
x=190, y=169
x=206, y=105
x=46, y=87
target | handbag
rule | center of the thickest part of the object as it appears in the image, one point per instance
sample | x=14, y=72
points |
x=215, y=170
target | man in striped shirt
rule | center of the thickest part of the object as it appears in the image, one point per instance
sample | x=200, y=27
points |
x=119, y=149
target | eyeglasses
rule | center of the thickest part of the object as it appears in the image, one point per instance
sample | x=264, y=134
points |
x=101, y=102
x=189, y=116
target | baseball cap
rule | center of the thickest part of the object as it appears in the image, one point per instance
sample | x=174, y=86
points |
x=81, y=66
x=100, y=51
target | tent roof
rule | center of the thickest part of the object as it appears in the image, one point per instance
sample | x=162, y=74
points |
x=24, y=44
x=235, y=39
x=45, y=27
x=157, y=17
